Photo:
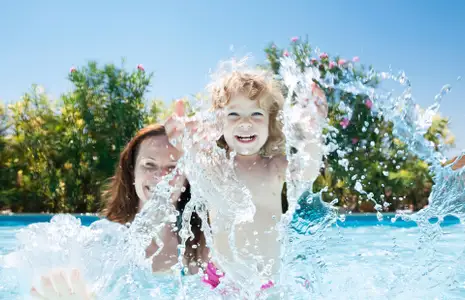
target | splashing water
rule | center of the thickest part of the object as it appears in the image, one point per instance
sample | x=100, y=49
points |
x=112, y=256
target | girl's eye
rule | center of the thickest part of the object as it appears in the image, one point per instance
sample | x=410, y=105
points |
x=257, y=114
x=233, y=114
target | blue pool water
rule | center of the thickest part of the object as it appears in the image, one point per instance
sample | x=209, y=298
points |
x=361, y=257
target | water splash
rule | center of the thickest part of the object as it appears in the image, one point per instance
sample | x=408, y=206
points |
x=306, y=230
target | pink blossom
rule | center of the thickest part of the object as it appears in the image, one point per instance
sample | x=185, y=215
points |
x=323, y=55
x=332, y=64
x=313, y=60
x=368, y=103
x=354, y=140
x=140, y=67
x=344, y=123
x=286, y=53
x=72, y=70
x=273, y=46
x=341, y=62
x=294, y=39
x=355, y=59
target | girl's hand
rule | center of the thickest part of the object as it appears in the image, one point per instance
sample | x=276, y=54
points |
x=320, y=101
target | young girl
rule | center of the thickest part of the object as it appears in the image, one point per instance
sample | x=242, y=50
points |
x=251, y=103
x=145, y=159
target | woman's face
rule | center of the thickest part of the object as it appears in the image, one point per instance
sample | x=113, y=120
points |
x=156, y=158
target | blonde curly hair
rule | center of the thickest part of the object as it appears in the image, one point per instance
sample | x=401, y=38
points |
x=259, y=86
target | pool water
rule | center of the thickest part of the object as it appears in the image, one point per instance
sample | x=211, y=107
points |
x=361, y=258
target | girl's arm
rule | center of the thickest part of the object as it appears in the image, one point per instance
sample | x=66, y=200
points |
x=308, y=134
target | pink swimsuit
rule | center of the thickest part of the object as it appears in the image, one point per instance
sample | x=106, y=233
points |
x=212, y=277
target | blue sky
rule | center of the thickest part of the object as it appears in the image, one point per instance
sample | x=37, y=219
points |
x=181, y=40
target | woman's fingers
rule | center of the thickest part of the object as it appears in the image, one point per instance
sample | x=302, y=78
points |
x=61, y=284
x=57, y=286
x=79, y=285
x=172, y=125
x=48, y=290
x=179, y=108
x=35, y=294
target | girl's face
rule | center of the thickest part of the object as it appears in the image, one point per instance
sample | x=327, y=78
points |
x=156, y=158
x=246, y=125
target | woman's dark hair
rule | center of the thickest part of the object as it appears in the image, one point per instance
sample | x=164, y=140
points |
x=121, y=201
x=195, y=246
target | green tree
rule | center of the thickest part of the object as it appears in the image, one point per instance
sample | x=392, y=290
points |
x=35, y=153
x=6, y=176
x=100, y=116
x=369, y=159
x=61, y=153
x=156, y=112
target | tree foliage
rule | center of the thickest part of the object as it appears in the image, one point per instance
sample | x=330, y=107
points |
x=59, y=153
x=369, y=163
x=56, y=155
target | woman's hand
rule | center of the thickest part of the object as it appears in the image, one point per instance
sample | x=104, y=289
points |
x=61, y=285
x=173, y=125
x=201, y=132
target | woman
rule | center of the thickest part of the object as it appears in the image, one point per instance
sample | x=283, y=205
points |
x=144, y=161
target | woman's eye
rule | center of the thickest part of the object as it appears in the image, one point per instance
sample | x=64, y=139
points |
x=150, y=165
x=257, y=114
x=233, y=114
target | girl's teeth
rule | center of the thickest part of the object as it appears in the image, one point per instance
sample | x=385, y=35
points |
x=248, y=138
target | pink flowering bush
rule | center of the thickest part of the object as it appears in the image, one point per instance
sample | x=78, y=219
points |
x=363, y=134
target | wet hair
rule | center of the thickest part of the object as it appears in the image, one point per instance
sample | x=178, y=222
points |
x=121, y=201
x=258, y=86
